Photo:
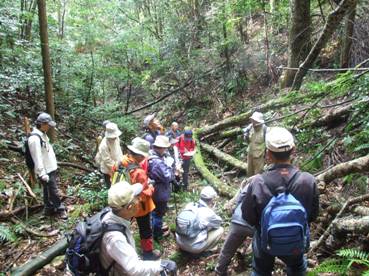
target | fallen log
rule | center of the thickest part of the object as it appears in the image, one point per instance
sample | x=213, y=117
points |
x=30, y=267
x=234, y=162
x=222, y=188
x=358, y=225
x=28, y=188
x=5, y=215
x=328, y=230
x=33, y=232
x=357, y=165
x=361, y=210
x=333, y=117
x=77, y=166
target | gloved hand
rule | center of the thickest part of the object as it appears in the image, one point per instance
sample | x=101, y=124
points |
x=45, y=178
x=169, y=266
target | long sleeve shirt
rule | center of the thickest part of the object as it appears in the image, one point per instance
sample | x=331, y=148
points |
x=108, y=155
x=208, y=220
x=43, y=154
x=119, y=248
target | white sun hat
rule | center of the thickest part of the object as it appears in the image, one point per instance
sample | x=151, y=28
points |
x=122, y=193
x=258, y=117
x=208, y=193
x=279, y=139
x=112, y=131
x=162, y=141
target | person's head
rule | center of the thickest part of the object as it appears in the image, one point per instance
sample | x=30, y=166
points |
x=151, y=122
x=111, y=131
x=187, y=134
x=122, y=198
x=139, y=149
x=208, y=194
x=257, y=119
x=279, y=145
x=161, y=144
x=44, y=121
x=174, y=126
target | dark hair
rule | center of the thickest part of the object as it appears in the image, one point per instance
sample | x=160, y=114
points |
x=281, y=156
x=115, y=211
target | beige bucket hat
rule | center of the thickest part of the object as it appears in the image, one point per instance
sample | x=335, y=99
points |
x=112, y=131
x=279, y=139
x=162, y=141
x=122, y=193
x=258, y=117
x=140, y=146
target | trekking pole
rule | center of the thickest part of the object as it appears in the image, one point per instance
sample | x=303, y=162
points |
x=175, y=200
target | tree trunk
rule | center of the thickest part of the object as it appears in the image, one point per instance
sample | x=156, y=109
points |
x=333, y=20
x=222, y=188
x=41, y=260
x=46, y=63
x=347, y=38
x=357, y=225
x=298, y=39
x=234, y=162
x=29, y=21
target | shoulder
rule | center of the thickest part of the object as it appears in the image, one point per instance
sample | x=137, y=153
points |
x=307, y=178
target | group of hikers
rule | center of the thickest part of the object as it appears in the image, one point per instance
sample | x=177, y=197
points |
x=274, y=206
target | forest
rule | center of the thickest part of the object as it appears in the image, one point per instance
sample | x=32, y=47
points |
x=207, y=65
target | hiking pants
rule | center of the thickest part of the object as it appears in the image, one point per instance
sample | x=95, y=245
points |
x=157, y=218
x=186, y=170
x=255, y=165
x=144, y=227
x=52, y=203
x=236, y=236
x=107, y=180
x=263, y=263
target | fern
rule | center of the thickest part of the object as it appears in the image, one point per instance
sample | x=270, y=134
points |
x=361, y=147
x=331, y=266
x=6, y=234
x=352, y=253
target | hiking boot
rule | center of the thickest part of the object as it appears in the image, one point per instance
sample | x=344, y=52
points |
x=62, y=215
x=151, y=255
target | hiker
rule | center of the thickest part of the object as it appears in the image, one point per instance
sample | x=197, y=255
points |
x=254, y=134
x=281, y=177
x=206, y=225
x=239, y=230
x=162, y=173
x=100, y=137
x=45, y=165
x=187, y=147
x=152, y=128
x=174, y=131
x=138, y=151
x=109, y=152
x=118, y=249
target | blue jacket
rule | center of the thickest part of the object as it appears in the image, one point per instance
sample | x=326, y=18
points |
x=162, y=174
x=150, y=136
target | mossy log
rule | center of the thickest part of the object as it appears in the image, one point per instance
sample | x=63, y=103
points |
x=41, y=260
x=361, y=210
x=222, y=188
x=333, y=117
x=234, y=162
x=358, y=225
x=357, y=165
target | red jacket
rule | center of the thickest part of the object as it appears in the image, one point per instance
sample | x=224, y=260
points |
x=184, y=145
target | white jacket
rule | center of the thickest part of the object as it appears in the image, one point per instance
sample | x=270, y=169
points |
x=116, y=247
x=43, y=157
x=108, y=155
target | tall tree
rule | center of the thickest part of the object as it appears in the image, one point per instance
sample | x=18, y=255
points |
x=347, y=38
x=298, y=39
x=46, y=63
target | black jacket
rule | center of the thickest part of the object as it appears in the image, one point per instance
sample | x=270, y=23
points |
x=304, y=189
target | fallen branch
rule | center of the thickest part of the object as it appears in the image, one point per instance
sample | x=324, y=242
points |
x=41, y=260
x=28, y=188
x=325, y=69
x=234, y=162
x=222, y=188
x=5, y=215
x=361, y=210
x=32, y=231
x=77, y=166
x=328, y=230
x=358, y=225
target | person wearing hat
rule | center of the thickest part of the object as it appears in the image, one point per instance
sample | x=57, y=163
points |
x=117, y=249
x=152, y=128
x=187, y=147
x=43, y=157
x=138, y=151
x=162, y=173
x=174, y=132
x=209, y=224
x=109, y=152
x=279, y=147
x=254, y=134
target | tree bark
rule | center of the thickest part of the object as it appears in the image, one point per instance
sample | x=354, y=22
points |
x=77, y=166
x=357, y=165
x=46, y=63
x=357, y=225
x=298, y=39
x=333, y=20
x=41, y=260
x=347, y=39
x=234, y=162
x=361, y=210
x=222, y=188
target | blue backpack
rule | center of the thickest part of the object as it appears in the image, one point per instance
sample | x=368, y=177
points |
x=284, y=226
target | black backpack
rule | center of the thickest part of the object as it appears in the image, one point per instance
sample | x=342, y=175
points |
x=82, y=255
x=27, y=154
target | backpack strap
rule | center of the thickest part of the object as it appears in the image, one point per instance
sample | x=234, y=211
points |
x=291, y=181
x=42, y=142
